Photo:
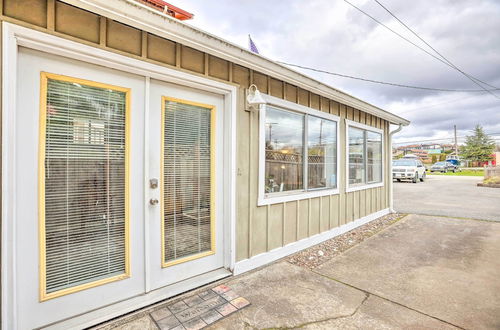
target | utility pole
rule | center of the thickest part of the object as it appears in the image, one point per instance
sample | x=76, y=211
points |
x=270, y=132
x=456, y=145
x=320, y=133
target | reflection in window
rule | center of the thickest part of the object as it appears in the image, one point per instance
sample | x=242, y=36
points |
x=356, y=156
x=365, y=156
x=187, y=181
x=288, y=137
x=321, y=153
x=374, y=156
x=88, y=131
x=284, y=149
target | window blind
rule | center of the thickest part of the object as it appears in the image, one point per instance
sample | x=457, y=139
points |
x=187, y=163
x=84, y=183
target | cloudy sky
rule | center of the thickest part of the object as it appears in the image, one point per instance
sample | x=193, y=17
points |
x=333, y=36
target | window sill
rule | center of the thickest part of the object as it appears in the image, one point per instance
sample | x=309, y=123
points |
x=364, y=186
x=295, y=196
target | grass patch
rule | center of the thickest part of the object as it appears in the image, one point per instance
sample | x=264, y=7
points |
x=461, y=173
x=492, y=180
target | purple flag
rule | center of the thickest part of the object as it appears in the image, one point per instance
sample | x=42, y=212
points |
x=251, y=45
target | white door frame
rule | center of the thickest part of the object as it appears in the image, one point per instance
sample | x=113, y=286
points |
x=15, y=36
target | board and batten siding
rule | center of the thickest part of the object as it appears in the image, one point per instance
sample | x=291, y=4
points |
x=264, y=228
x=258, y=229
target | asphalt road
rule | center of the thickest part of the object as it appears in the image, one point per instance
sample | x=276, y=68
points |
x=453, y=196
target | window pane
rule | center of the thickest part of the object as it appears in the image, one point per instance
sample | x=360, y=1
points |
x=374, y=155
x=321, y=153
x=356, y=156
x=84, y=184
x=186, y=180
x=284, y=150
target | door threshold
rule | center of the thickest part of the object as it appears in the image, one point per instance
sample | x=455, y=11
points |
x=120, y=308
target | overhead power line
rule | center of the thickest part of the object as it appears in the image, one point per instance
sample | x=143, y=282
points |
x=470, y=77
x=396, y=33
x=406, y=39
x=384, y=82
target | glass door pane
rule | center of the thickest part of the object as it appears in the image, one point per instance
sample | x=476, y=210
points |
x=187, y=172
x=83, y=185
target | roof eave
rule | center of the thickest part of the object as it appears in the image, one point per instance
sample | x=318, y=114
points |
x=145, y=18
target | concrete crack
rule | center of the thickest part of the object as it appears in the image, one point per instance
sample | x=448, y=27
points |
x=248, y=325
x=322, y=320
x=387, y=299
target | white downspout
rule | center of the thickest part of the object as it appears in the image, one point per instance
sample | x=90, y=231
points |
x=391, y=183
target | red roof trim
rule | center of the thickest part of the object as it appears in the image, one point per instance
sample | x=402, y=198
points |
x=162, y=5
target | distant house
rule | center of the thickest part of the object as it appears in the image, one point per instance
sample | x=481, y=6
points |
x=432, y=148
x=143, y=157
x=423, y=155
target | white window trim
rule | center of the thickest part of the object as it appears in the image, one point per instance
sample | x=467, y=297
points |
x=361, y=186
x=296, y=194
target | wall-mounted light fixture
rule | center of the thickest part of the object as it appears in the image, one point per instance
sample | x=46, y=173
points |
x=254, y=99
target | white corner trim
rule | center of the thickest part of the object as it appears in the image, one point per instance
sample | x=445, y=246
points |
x=230, y=182
x=8, y=319
x=278, y=253
x=263, y=198
x=362, y=186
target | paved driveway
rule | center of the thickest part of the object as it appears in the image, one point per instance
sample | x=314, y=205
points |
x=424, y=272
x=441, y=267
x=454, y=196
x=421, y=273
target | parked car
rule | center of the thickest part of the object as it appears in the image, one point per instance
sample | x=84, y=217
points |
x=408, y=169
x=455, y=160
x=444, y=167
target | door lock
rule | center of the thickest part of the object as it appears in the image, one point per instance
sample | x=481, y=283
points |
x=153, y=183
x=153, y=201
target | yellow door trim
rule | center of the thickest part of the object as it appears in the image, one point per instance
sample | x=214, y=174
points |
x=44, y=77
x=213, y=118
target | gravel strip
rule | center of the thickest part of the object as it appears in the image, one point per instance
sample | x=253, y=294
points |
x=321, y=253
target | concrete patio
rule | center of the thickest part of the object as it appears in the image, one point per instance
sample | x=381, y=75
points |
x=423, y=272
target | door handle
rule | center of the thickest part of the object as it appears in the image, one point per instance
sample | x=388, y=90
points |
x=153, y=201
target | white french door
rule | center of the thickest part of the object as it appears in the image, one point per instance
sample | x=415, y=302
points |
x=89, y=231
x=79, y=198
x=186, y=159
